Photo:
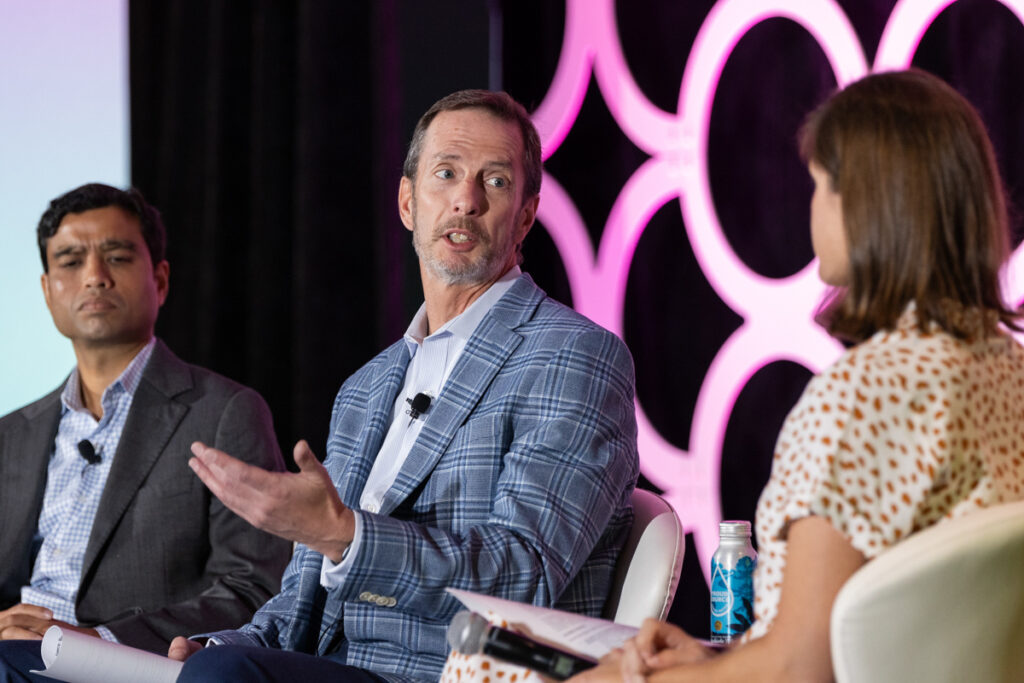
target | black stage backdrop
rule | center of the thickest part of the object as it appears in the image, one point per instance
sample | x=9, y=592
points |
x=271, y=136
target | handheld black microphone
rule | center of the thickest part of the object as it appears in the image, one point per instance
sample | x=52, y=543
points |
x=87, y=451
x=469, y=633
x=418, y=404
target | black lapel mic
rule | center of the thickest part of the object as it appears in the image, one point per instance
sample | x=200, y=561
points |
x=470, y=634
x=87, y=451
x=418, y=404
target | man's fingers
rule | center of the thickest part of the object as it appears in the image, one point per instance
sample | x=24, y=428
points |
x=231, y=471
x=200, y=464
x=226, y=476
x=201, y=450
x=250, y=492
x=182, y=648
x=24, y=623
x=304, y=456
x=309, y=464
x=235, y=497
x=207, y=476
x=299, y=507
x=27, y=610
x=19, y=633
x=213, y=459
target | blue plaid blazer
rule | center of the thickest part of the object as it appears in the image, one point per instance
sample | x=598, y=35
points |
x=518, y=486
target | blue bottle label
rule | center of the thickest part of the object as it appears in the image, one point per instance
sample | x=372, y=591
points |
x=732, y=599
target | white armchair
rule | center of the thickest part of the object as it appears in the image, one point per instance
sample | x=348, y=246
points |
x=945, y=605
x=648, y=568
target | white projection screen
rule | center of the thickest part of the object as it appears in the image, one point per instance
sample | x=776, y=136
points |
x=63, y=122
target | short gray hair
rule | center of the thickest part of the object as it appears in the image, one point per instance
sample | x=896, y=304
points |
x=499, y=104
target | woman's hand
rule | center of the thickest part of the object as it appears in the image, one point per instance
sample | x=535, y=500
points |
x=659, y=645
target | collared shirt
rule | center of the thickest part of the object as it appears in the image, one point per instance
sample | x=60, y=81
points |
x=74, y=488
x=432, y=360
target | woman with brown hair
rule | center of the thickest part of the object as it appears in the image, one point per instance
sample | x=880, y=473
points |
x=922, y=419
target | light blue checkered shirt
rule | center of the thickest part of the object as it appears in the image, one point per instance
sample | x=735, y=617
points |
x=74, y=487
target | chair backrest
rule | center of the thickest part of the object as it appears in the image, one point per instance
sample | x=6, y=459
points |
x=947, y=604
x=647, y=571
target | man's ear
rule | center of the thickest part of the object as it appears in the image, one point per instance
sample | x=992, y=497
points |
x=44, y=280
x=162, y=277
x=527, y=215
x=405, y=190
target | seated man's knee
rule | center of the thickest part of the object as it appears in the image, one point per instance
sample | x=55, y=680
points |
x=17, y=658
x=219, y=663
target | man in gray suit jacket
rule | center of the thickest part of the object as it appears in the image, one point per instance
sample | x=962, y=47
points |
x=103, y=527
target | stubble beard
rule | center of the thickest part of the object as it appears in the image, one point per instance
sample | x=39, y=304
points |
x=484, y=268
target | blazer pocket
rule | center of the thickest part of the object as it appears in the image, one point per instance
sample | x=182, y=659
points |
x=469, y=469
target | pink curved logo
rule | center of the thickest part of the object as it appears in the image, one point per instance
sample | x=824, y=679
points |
x=677, y=170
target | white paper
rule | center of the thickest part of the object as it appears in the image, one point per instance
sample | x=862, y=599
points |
x=77, y=658
x=583, y=635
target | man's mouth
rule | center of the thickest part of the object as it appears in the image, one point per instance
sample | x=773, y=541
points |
x=461, y=231
x=97, y=304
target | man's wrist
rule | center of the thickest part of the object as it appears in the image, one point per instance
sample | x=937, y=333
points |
x=336, y=550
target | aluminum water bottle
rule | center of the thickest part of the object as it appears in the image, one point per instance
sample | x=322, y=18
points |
x=732, y=582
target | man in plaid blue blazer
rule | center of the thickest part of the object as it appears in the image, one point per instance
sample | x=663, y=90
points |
x=492, y=449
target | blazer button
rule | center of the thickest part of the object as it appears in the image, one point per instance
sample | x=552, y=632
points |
x=391, y=602
x=367, y=596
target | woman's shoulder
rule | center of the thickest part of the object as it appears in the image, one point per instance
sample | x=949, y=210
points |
x=909, y=350
x=930, y=356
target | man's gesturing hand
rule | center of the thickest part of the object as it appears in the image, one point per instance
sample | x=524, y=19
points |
x=302, y=506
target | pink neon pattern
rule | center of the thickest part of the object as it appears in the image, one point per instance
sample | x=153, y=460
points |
x=677, y=169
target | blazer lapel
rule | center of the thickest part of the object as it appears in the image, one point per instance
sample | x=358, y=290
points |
x=383, y=388
x=485, y=354
x=151, y=422
x=24, y=459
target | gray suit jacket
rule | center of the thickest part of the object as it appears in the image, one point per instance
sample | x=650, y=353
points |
x=164, y=557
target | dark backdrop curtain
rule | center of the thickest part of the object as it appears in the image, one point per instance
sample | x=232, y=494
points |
x=271, y=135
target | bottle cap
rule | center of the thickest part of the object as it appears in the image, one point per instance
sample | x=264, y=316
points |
x=734, y=527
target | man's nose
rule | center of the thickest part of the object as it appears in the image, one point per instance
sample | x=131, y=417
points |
x=469, y=199
x=97, y=271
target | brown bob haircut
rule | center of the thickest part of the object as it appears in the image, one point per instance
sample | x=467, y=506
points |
x=923, y=206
